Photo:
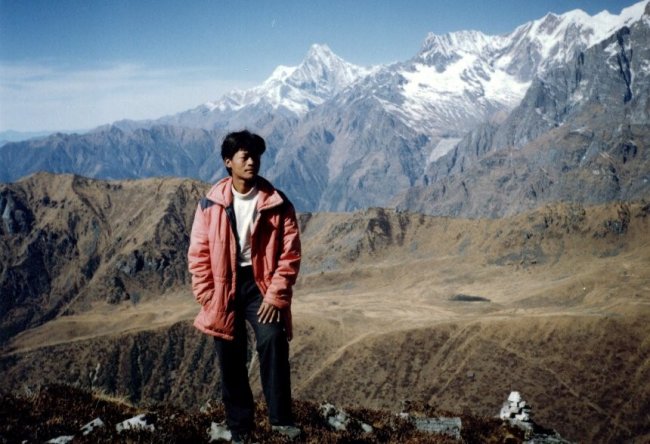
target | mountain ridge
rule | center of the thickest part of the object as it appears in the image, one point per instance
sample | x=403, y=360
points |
x=353, y=138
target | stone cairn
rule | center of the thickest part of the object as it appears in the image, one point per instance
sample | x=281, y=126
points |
x=518, y=413
x=516, y=409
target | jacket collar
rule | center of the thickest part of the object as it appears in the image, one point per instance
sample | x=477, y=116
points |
x=268, y=197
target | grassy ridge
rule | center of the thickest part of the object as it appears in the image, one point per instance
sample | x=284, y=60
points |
x=61, y=410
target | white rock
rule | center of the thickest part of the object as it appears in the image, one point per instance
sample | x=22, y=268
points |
x=441, y=425
x=505, y=411
x=218, y=432
x=514, y=397
x=522, y=417
x=335, y=417
x=136, y=423
x=61, y=440
x=339, y=419
x=206, y=407
x=91, y=426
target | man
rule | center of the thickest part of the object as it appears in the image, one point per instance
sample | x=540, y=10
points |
x=244, y=257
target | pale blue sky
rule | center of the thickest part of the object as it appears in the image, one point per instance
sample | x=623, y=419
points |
x=71, y=65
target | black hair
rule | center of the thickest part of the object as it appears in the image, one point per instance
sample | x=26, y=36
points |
x=242, y=141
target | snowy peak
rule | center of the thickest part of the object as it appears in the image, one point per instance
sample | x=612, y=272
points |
x=325, y=71
x=555, y=39
x=538, y=44
x=453, y=42
x=440, y=51
x=597, y=27
x=320, y=76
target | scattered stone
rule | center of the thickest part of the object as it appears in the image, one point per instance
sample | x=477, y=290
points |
x=288, y=431
x=219, y=432
x=96, y=423
x=136, y=423
x=326, y=422
x=340, y=420
x=61, y=440
x=440, y=425
x=85, y=430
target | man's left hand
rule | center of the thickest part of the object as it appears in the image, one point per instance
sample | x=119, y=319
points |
x=268, y=313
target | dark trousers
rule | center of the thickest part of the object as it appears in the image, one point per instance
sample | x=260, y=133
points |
x=273, y=353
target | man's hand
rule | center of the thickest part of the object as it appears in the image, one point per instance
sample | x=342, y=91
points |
x=268, y=313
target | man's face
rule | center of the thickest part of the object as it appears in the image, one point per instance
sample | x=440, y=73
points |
x=244, y=165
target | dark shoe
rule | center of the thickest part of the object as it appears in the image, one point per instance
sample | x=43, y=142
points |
x=289, y=431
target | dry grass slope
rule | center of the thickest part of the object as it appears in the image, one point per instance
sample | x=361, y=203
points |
x=390, y=306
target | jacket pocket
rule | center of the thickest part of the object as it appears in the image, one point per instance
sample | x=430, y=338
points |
x=215, y=317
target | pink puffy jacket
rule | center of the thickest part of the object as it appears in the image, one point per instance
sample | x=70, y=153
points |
x=212, y=256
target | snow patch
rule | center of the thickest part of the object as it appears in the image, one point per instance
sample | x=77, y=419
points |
x=468, y=87
x=505, y=88
x=426, y=83
x=578, y=95
x=443, y=147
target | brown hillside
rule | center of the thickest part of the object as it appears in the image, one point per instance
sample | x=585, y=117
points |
x=389, y=306
x=85, y=241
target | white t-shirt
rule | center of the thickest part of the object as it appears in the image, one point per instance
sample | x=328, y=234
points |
x=244, y=210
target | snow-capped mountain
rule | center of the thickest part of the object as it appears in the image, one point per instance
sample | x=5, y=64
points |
x=342, y=137
x=290, y=91
x=580, y=134
x=320, y=76
x=556, y=39
x=382, y=133
x=462, y=78
x=455, y=82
